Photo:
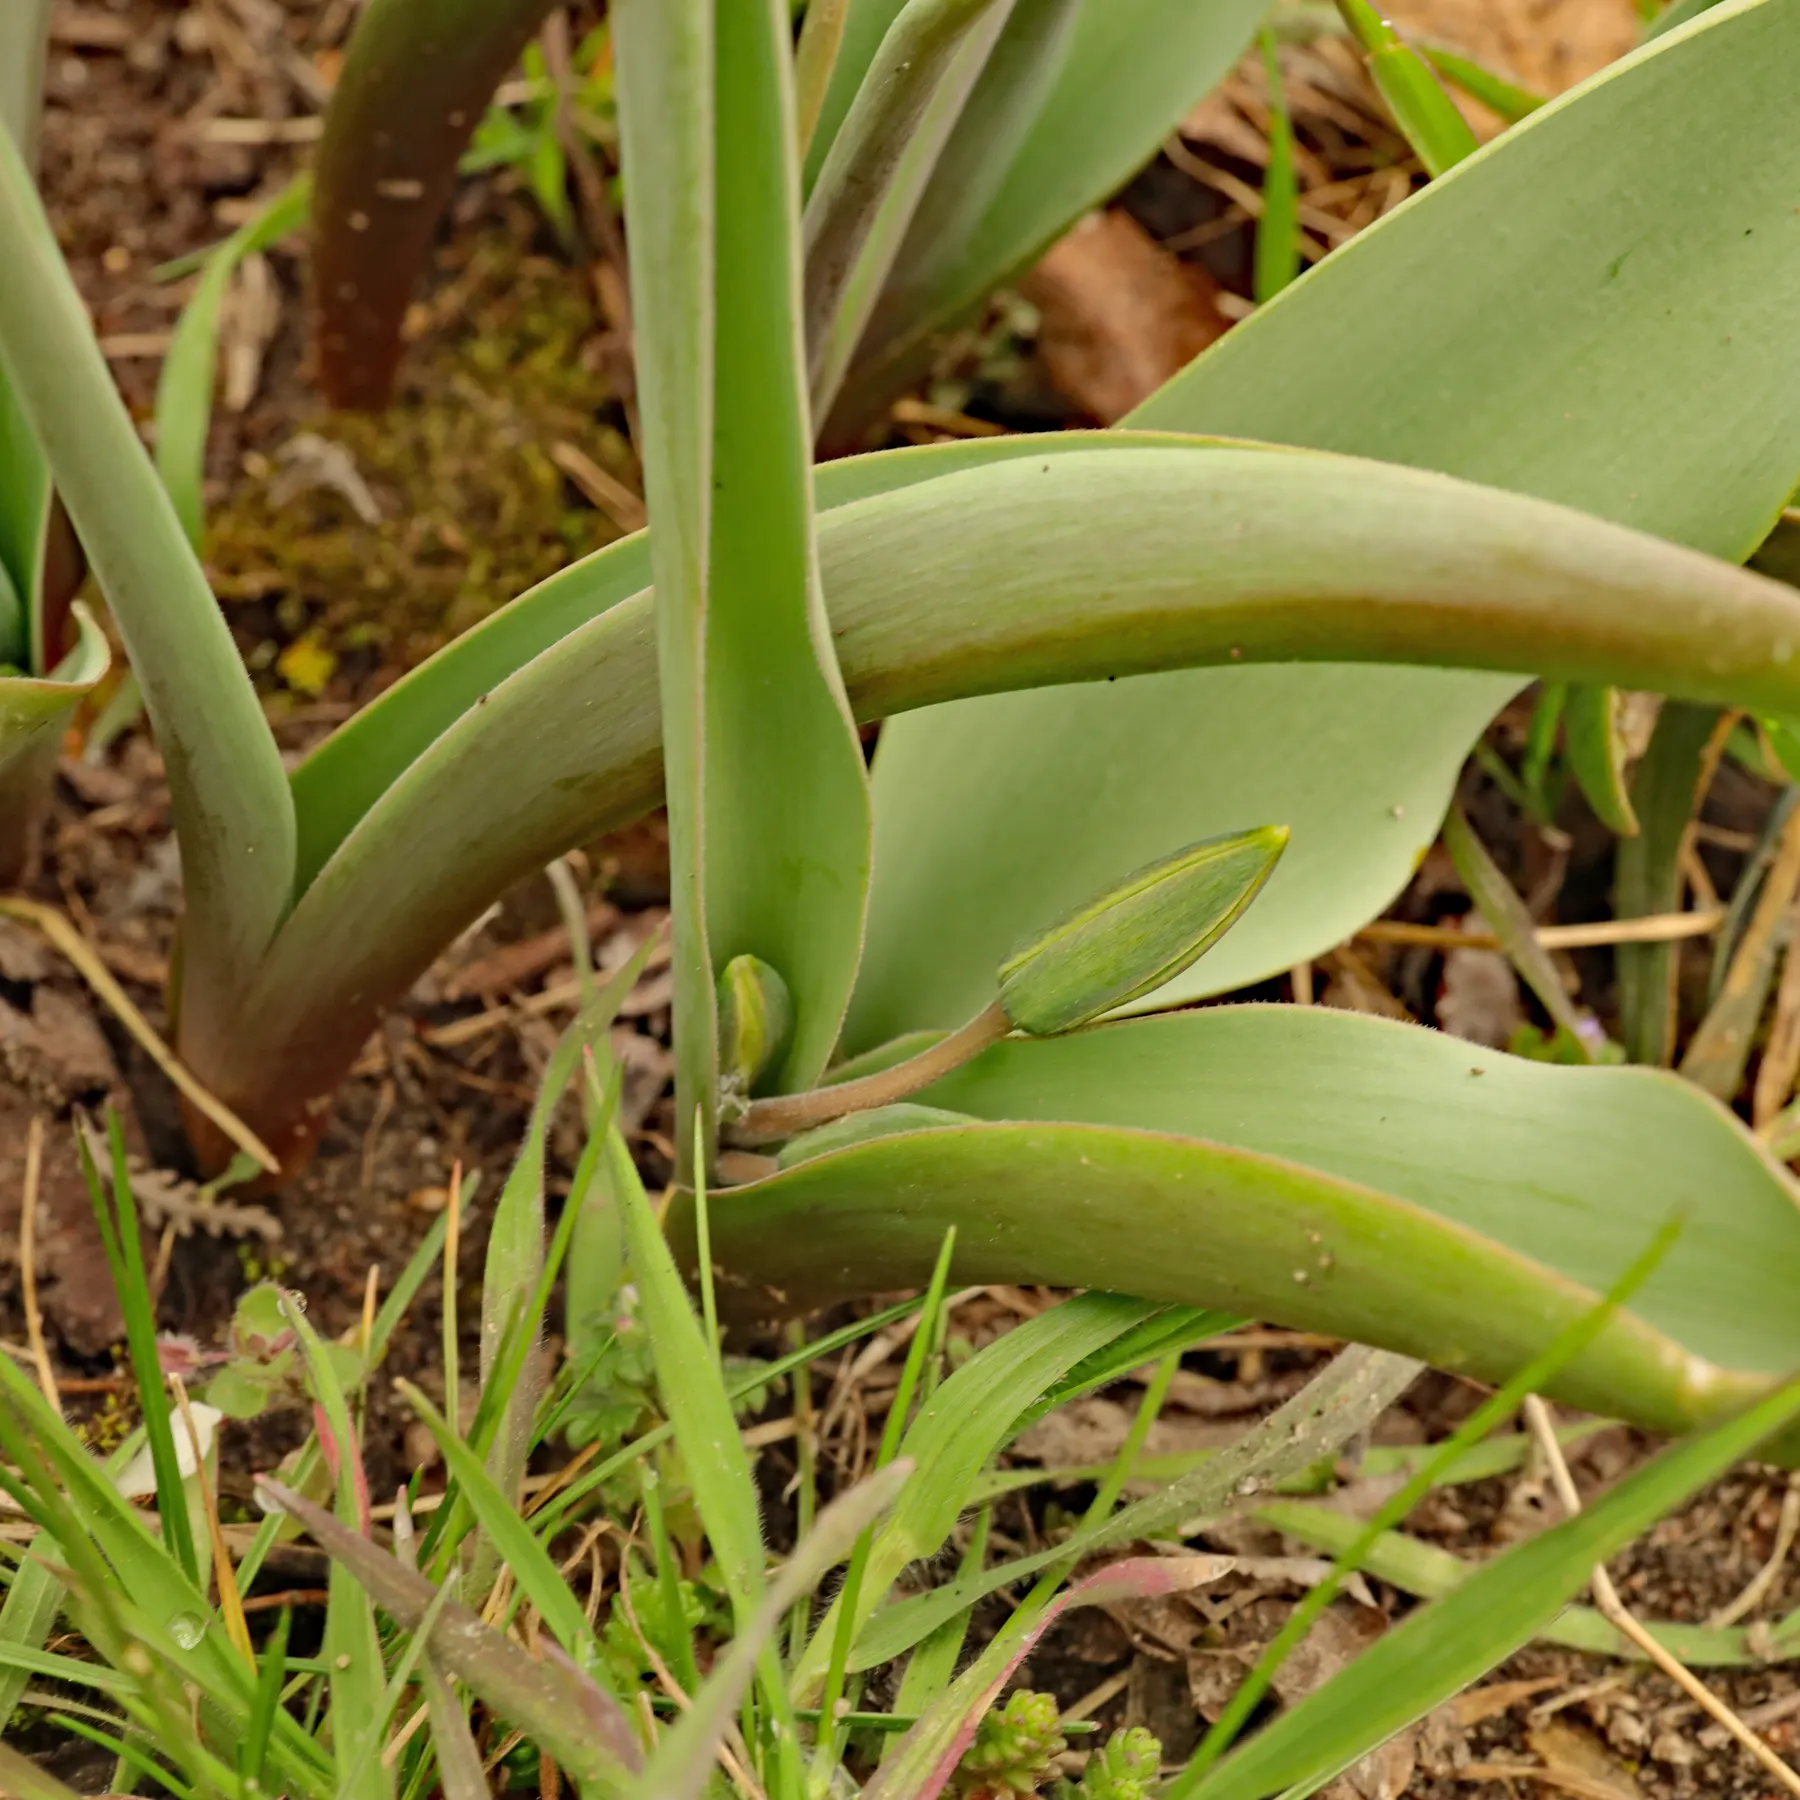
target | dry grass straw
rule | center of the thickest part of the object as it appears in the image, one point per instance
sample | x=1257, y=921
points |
x=1619, y=1616
x=50, y=924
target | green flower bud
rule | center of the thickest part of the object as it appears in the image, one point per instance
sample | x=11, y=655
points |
x=1128, y=941
x=860, y=1127
x=756, y=1018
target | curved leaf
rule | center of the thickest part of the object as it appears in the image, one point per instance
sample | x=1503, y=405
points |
x=879, y=163
x=1597, y=755
x=1112, y=561
x=1331, y=1171
x=355, y=766
x=184, y=388
x=24, y=42
x=381, y=190
x=34, y=712
x=1499, y=325
x=229, y=793
x=1102, y=93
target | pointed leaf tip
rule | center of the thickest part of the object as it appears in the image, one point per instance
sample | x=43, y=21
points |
x=1128, y=941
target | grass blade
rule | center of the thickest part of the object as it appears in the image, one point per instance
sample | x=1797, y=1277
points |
x=352, y=1647
x=124, y=1248
x=1665, y=790
x=1278, y=230
x=513, y=1541
x=1445, y=1646
x=694, y=1398
x=1429, y=1572
x=1567, y=1345
x=184, y=388
x=1499, y=904
x=679, y=1768
x=1426, y=115
x=34, y=1597
x=1345, y=1398
x=965, y=1421
x=1511, y=102
x=561, y=1708
x=1597, y=755
x=926, y=1758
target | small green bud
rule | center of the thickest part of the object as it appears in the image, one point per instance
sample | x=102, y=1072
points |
x=756, y=1018
x=860, y=1127
x=1128, y=941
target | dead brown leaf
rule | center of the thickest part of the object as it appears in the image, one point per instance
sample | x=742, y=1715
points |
x=1475, y=1705
x=1571, y=1754
x=1120, y=315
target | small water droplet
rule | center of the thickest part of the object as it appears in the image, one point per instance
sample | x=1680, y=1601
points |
x=187, y=1629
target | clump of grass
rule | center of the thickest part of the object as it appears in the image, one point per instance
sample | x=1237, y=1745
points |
x=476, y=1633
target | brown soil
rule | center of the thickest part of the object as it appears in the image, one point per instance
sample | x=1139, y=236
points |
x=166, y=124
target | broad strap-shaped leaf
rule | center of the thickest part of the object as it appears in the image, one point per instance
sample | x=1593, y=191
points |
x=877, y=168
x=359, y=762
x=665, y=54
x=1498, y=326
x=229, y=793
x=1066, y=110
x=34, y=712
x=786, y=790
x=381, y=190
x=24, y=44
x=1328, y=1170
x=1114, y=561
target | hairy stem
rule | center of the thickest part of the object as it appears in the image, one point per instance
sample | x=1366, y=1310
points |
x=787, y=1114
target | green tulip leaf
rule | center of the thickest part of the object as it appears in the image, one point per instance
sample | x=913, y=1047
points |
x=1122, y=560
x=1517, y=357
x=1065, y=112
x=787, y=821
x=34, y=714
x=1329, y=1171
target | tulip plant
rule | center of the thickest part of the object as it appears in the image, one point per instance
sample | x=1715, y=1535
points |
x=51, y=653
x=1530, y=424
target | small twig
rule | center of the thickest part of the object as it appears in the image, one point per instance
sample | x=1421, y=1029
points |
x=514, y=964
x=607, y=492
x=1619, y=1616
x=1657, y=928
x=34, y=1319
x=51, y=923
x=910, y=411
x=1759, y=1584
